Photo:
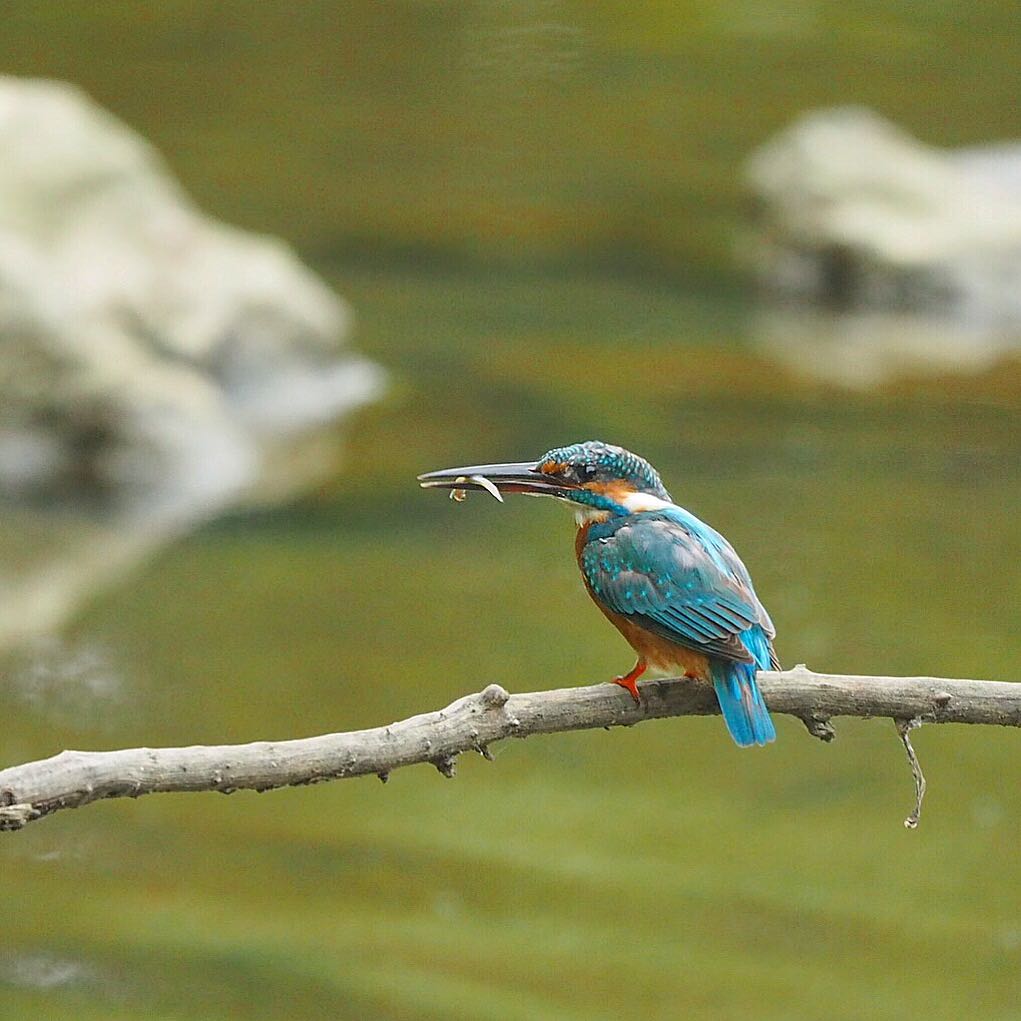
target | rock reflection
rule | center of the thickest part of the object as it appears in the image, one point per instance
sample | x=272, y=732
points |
x=73, y=682
x=44, y=971
x=864, y=349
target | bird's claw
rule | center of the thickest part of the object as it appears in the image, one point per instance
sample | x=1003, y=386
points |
x=627, y=682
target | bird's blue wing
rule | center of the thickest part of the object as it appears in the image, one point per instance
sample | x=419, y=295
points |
x=675, y=576
x=687, y=587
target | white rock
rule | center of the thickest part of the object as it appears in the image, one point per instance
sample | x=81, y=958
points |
x=117, y=296
x=856, y=212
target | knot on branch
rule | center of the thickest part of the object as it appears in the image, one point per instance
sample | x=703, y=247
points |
x=493, y=696
x=819, y=726
x=13, y=817
x=447, y=765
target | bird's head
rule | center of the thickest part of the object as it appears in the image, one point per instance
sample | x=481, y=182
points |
x=596, y=476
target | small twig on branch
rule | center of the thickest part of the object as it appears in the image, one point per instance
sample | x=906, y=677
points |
x=904, y=728
x=472, y=723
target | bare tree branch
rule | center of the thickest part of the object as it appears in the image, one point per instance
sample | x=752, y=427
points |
x=75, y=778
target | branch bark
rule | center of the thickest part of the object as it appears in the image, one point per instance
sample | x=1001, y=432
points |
x=75, y=778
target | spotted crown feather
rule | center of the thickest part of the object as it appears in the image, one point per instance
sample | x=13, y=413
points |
x=602, y=462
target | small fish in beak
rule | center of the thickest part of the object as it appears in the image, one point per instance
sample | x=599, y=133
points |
x=487, y=485
x=460, y=495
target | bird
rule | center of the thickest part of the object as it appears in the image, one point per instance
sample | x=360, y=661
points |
x=672, y=585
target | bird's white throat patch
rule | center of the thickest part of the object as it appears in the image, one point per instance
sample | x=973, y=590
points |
x=639, y=503
x=634, y=503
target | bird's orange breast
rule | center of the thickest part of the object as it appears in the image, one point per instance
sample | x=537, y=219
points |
x=660, y=653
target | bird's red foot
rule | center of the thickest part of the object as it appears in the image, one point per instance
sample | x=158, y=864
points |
x=627, y=682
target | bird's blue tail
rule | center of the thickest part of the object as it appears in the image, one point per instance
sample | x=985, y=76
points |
x=744, y=711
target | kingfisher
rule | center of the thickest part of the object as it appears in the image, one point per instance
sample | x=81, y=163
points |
x=671, y=584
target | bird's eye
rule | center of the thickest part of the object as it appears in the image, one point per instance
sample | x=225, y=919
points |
x=589, y=471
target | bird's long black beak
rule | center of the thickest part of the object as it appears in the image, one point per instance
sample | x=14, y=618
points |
x=522, y=477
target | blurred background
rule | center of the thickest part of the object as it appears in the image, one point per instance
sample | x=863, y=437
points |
x=772, y=247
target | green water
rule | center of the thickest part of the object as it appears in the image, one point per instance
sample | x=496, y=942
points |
x=656, y=872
